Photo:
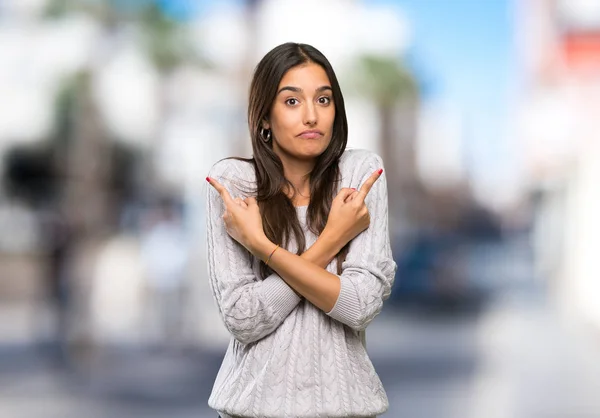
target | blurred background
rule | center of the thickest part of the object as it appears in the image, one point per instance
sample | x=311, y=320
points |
x=486, y=114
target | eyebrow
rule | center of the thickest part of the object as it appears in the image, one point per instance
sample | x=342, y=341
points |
x=299, y=90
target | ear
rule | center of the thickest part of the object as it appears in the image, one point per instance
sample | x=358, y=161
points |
x=265, y=124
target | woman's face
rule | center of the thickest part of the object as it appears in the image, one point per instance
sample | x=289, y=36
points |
x=301, y=119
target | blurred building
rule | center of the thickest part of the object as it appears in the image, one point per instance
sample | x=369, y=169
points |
x=560, y=128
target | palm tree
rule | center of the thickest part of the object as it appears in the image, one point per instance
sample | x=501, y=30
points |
x=393, y=89
x=242, y=144
x=83, y=151
x=164, y=41
x=167, y=46
x=83, y=148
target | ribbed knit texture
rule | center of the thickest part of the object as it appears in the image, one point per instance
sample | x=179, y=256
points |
x=287, y=358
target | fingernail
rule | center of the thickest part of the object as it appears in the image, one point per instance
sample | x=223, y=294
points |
x=208, y=179
x=353, y=188
x=380, y=170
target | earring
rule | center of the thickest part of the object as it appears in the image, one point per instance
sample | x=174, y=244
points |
x=267, y=137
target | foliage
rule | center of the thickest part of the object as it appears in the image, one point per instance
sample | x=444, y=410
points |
x=384, y=79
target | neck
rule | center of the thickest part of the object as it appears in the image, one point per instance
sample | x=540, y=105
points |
x=297, y=172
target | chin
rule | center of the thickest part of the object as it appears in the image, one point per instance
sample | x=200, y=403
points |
x=315, y=147
x=311, y=153
x=306, y=150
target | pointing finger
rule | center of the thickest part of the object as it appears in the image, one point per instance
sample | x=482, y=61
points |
x=222, y=191
x=368, y=184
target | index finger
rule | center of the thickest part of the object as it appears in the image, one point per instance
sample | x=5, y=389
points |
x=221, y=189
x=366, y=187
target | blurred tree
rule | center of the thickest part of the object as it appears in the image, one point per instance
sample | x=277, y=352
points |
x=388, y=83
x=385, y=80
x=93, y=173
x=45, y=174
x=242, y=145
x=168, y=46
x=166, y=41
x=57, y=9
x=161, y=37
x=75, y=181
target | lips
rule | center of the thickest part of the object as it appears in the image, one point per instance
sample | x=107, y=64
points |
x=311, y=134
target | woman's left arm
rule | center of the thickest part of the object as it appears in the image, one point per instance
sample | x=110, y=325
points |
x=369, y=270
x=356, y=296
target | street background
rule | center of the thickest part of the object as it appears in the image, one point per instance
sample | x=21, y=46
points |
x=485, y=113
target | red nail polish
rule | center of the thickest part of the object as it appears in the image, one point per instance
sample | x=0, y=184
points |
x=380, y=170
x=208, y=179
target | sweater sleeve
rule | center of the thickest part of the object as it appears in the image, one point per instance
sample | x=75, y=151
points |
x=369, y=269
x=250, y=308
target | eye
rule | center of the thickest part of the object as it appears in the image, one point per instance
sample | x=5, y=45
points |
x=292, y=101
x=324, y=100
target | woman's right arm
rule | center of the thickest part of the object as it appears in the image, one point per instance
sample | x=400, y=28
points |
x=251, y=308
x=242, y=221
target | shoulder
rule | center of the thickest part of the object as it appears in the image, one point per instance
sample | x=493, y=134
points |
x=359, y=161
x=232, y=169
x=237, y=176
x=356, y=166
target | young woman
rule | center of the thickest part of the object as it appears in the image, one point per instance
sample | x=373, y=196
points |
x=299, y=251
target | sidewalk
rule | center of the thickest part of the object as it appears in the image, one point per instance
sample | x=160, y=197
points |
x=536, y=364
x=130, y=385
x=516, y=359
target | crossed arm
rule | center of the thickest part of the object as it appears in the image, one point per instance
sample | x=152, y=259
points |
x=252, y=308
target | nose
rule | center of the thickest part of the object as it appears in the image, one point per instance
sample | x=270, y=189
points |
x=310, y=115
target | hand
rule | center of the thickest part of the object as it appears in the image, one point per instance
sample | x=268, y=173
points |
x=242, y=218
x=349, y=215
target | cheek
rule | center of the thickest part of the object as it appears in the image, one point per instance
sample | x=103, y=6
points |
x=330, y=113
x=282, y=124
x=330, y=119
x=288, y=124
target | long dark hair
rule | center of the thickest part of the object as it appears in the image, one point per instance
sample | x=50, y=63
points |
x=280, y=221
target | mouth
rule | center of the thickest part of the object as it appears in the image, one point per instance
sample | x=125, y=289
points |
x=311, y=134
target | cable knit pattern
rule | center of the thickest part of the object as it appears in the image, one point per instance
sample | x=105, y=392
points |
x=287, y=358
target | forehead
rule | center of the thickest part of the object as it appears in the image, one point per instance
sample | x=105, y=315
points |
x=306, y=76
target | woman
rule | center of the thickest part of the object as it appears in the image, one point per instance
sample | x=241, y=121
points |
x=298, y=264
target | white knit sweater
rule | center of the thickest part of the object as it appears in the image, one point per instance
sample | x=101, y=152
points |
x=287, y=358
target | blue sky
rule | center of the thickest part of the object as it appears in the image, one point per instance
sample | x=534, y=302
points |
x=465, y=50
x=464, y=44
